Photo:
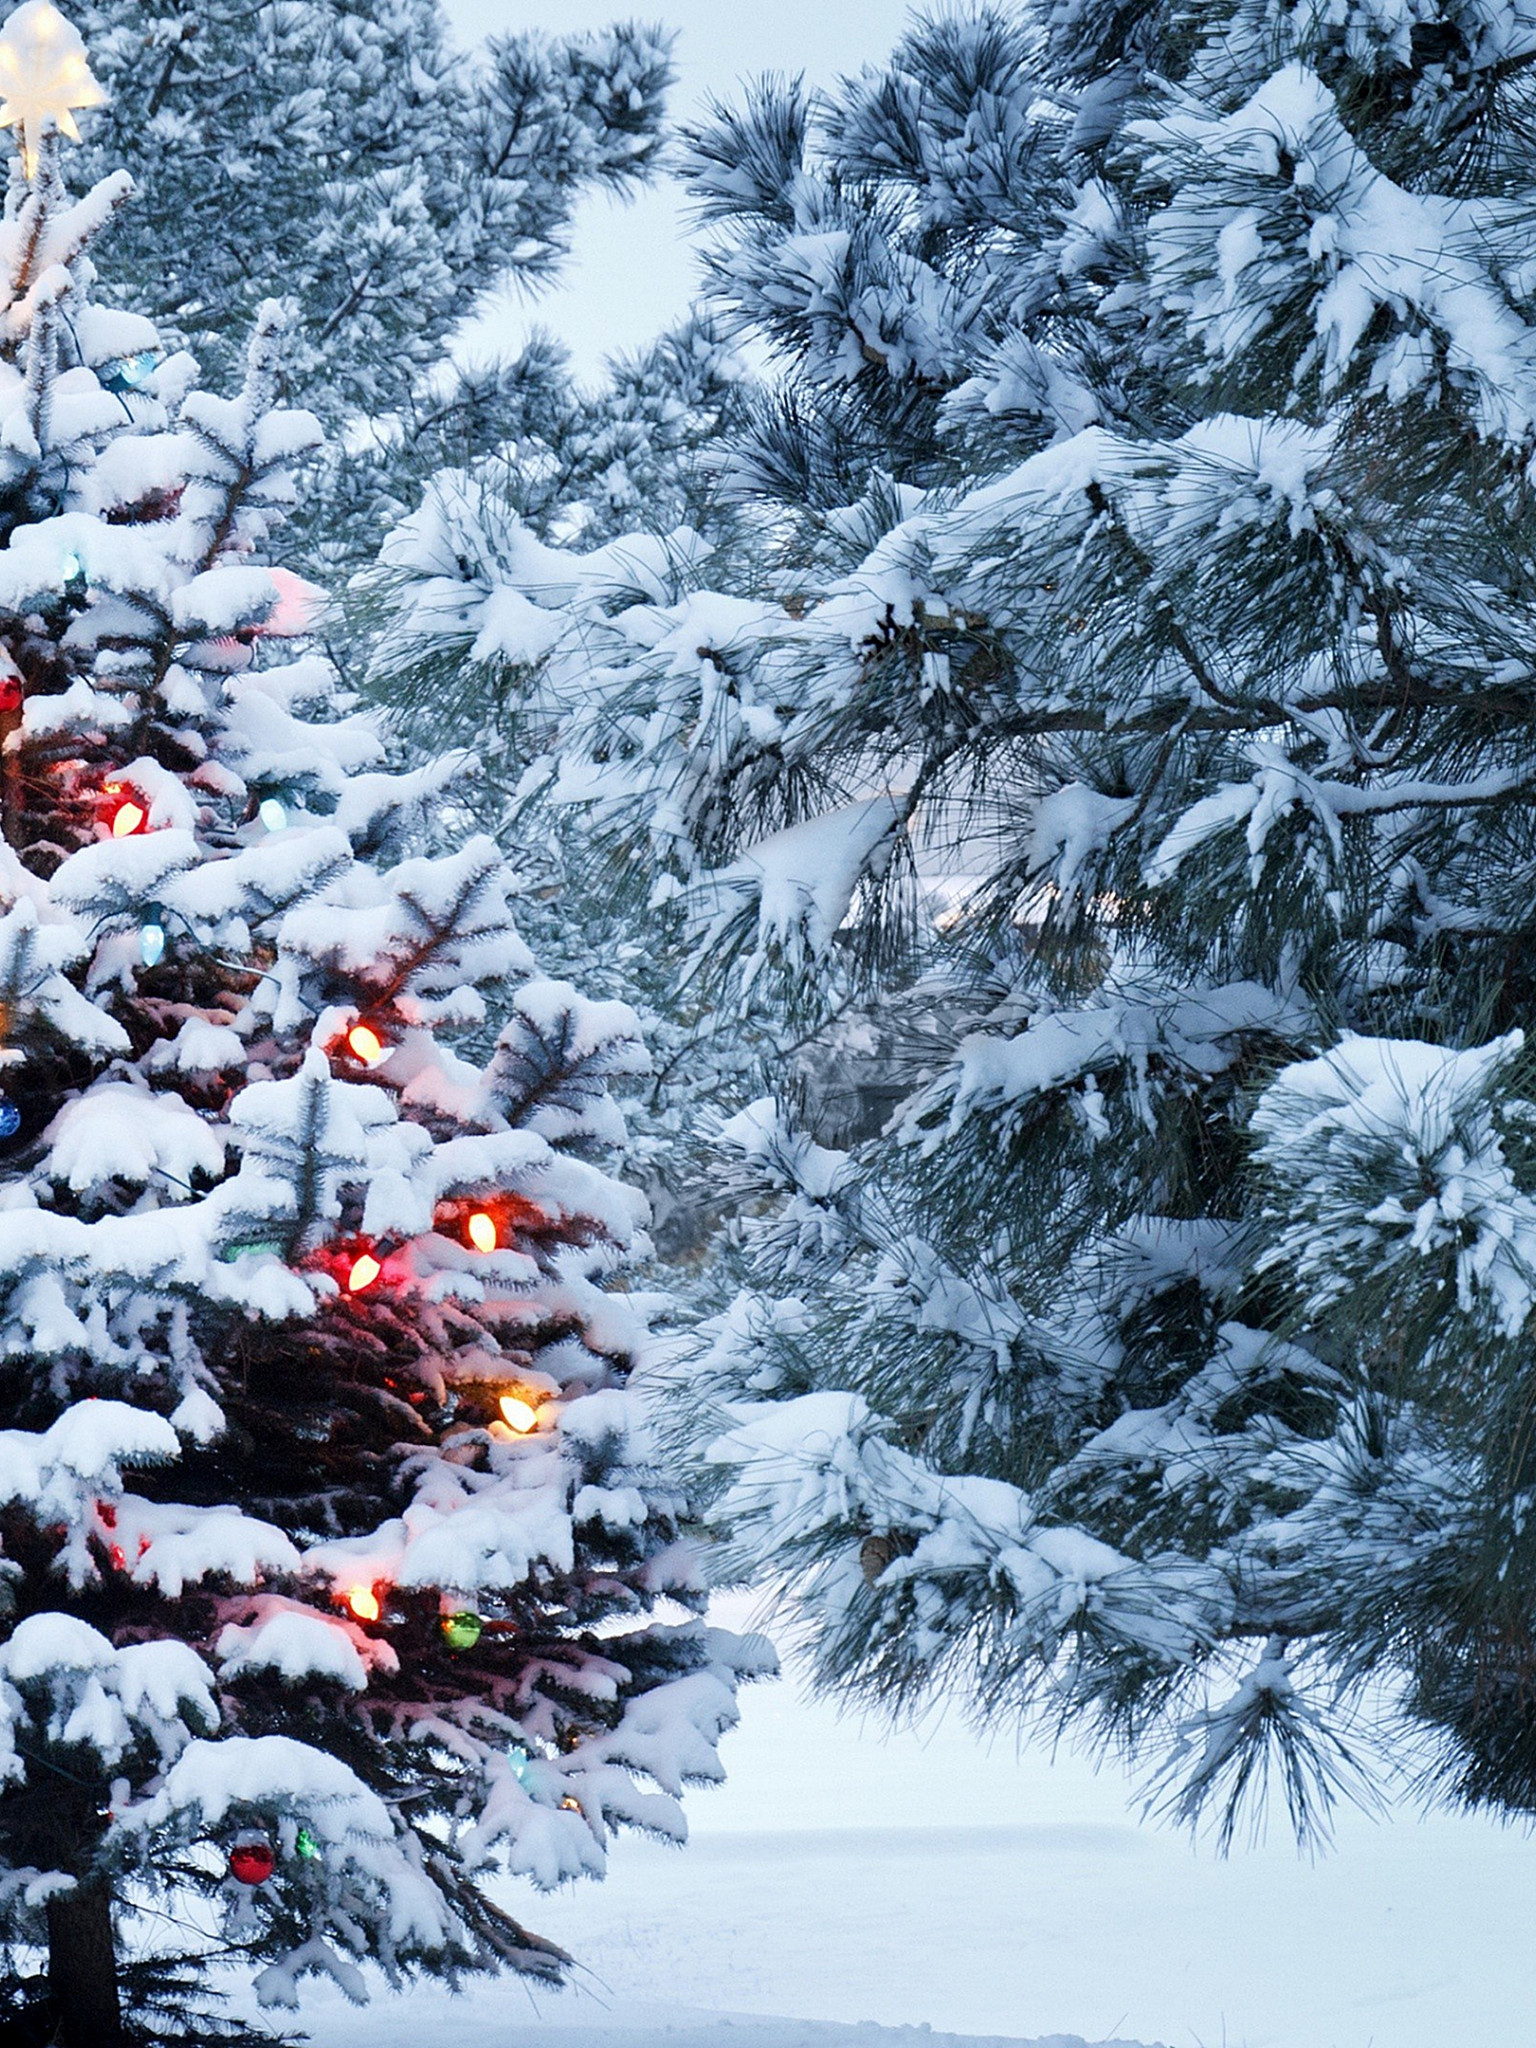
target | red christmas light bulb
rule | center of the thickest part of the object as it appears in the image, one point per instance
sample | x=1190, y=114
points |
x=365, y=1270
x=129, y=817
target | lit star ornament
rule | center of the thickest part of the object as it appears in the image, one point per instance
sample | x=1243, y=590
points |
x=44, y=76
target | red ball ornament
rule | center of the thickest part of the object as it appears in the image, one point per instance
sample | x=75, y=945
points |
x=252, y=1861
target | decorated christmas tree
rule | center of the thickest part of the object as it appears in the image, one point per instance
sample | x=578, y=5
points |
x=334, y=1536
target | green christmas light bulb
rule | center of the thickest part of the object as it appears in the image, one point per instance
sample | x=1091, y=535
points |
x=462, y=1631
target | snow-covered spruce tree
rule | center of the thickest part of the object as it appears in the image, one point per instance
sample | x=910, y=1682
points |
x=1165, y=1369
x=597, y=502
x=347, y=156
x=334, y=1541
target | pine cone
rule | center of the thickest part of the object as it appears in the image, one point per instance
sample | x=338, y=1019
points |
x=876, y=1552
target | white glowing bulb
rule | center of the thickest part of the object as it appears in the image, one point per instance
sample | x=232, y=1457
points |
x=152, y=940
x=365, y=1044
x=518, y=1414
x=273, y=813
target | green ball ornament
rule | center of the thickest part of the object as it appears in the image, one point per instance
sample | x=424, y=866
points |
x=462, y=1631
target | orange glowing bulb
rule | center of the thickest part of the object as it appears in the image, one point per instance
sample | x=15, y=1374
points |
x=128, y=818
x=518, y=1414
x=365, y=1270
x=365, y=1044
x=482, y=1231
x=364, y=1602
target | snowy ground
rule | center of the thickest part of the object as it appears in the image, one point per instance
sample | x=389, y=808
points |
x=842, y=1879
x=501, y=2024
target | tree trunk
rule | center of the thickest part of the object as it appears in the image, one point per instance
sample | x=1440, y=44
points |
x=82, y=1969
x=11, y=794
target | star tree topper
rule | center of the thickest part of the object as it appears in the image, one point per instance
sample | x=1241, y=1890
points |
x=44, y=76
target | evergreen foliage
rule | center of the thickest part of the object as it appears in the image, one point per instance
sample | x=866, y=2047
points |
x=1129, y=702
x=341, y=1568
x=347, y=158
x=464, y=608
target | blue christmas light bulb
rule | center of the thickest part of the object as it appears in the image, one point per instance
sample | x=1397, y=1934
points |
x=152, y=936
x=127, y=373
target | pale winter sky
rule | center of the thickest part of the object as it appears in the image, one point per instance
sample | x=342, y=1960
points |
x=632, y=274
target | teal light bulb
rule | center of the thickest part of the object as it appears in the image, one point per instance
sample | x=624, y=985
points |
x=127, y=373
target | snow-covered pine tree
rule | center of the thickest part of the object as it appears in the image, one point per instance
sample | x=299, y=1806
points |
x=890, y=271
x=337, y=1557
x=1164, y=1369
x=345, y=155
